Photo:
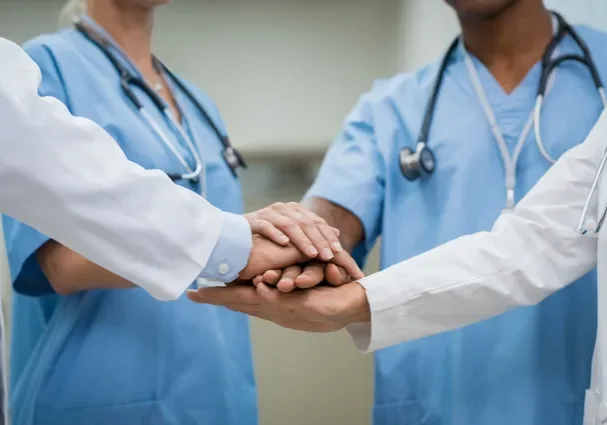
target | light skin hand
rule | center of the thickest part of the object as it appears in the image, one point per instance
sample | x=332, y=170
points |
x=350, y=233
x=319, y=309
x=291, y=222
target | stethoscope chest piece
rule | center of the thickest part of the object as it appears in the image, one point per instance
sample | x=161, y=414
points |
x=418, y=163
x=232, y=157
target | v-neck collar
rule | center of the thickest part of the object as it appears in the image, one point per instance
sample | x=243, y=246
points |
x=525, y=88
x=116, y=49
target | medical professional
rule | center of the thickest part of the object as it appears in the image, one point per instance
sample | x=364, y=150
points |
x=421, y=170
x=552, y=237
x=81, y=352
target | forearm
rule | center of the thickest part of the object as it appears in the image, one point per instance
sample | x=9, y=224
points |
x=529, y=254
x=68, y=272
x=67, y=178
x=350, y=228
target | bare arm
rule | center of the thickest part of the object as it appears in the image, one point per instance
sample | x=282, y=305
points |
x=351, y=231
x=69, y=272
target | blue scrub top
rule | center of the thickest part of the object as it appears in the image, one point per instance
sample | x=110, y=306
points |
x=120, y=357
x=530, y=366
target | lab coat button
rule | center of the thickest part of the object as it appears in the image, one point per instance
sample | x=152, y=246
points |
x=224, y=268
x=602, y=413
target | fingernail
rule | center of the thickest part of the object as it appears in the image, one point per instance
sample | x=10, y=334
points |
x=283, y=239
x=311, y=251
x=327, y=254
x=337, y=246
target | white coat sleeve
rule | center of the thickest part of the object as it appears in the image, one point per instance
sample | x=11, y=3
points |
x=67, y=178
x=529, y=254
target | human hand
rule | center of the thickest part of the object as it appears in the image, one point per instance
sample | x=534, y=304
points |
x=304, y=276
x=291, y=222
x=319, y=309
x=267, y=255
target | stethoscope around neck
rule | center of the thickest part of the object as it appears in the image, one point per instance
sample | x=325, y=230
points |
x=231, y=155
x=421, y=162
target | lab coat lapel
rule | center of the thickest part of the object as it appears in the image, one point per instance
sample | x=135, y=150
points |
x=595, y=409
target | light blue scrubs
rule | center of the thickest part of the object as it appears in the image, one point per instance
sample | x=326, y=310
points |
x=120, y=357
x=530, y=366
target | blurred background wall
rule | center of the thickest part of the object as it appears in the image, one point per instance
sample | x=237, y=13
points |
x=284, y=74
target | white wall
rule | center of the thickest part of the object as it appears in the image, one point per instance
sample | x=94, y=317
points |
x=591, y=12
x=284, y=72
x=426, y=29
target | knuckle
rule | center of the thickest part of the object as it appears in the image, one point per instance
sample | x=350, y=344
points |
x=289, y=223
x=307, y=223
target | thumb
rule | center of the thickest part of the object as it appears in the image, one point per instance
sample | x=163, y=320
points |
x=335, y=275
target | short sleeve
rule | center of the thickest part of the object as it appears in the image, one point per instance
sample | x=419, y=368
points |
x=22, y=241
x=353, y=172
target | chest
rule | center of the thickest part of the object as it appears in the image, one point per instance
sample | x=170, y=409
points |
x=467, y=191
x=153, y=140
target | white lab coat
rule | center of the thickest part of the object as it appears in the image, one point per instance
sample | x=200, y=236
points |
x=530, y=253
x=66, y=177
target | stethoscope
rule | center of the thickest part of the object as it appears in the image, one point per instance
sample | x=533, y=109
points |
x=421, y=162
x=230, y=154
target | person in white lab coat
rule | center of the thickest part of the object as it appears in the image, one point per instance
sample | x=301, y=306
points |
x=67, y=178
x=85, y=194
x=530, y=253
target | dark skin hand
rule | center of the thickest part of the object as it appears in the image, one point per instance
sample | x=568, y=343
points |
x=320, y=309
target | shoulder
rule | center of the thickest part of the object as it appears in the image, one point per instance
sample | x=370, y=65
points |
x=404, y=86
x=53, y=46
x=595, y=39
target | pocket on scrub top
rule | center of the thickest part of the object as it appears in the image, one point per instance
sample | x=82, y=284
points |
x=409, y=412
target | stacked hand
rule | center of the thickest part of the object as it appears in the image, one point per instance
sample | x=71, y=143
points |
x=294, y=251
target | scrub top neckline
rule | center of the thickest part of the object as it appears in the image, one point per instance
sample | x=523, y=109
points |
x=527, y=84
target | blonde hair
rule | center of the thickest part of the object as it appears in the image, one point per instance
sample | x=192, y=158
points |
x=71, y=12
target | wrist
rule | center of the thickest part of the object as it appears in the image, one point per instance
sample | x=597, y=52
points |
x=358, y=309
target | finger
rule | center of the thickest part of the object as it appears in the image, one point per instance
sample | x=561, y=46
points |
x=292, y=225
x=287, y=281
x=312, y=275
x=335, y=275
x=345, y=261
x=271, y=277
x=268, y=295
x=268, y=230
x=329, y=234
x=234, y=294
x=257, y=280
x=321, y=222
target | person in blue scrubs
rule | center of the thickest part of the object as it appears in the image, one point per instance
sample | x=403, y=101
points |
x=530, y=366
x=118, y=356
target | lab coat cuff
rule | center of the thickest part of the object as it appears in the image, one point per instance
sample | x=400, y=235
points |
x=232, y=251
x=383, y=330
